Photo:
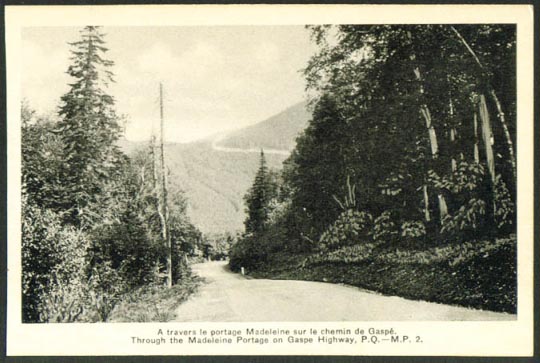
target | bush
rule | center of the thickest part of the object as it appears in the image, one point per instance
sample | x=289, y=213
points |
x=181, y=269
x=384, y=228
x=350, y=228
x=64, y=301
x=347, y=254
x=247, y=252
x=105, y=287
x=126, y=247
x=466, y=221
x=504, y=207
x=53, y=267
x=465, y=179
x=153, y=303
x=253, y=249
x=452, y=254
x=413, y=230
x=62, y=279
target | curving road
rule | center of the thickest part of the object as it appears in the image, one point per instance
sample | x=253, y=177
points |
x=226, y=296
x=226, y=149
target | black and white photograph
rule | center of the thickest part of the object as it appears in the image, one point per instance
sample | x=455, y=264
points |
x=298, y=173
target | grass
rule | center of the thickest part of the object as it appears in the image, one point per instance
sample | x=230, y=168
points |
x=154, y=303
x=479, y=274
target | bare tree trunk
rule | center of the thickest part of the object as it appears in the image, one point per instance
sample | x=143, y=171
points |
x=427, y=215
x=509, y=143
x=164, y=215
x=155, y=192
x=424, y=110
x=142, y=179
x=153, y=157
x=487, y=136
x=500, y=113
x=453, y=139
x=476, y=151
x=453, y=161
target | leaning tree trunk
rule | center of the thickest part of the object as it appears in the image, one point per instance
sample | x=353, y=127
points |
x=487, y=136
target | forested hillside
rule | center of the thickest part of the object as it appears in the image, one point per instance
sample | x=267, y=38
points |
x=404, y=180
x=214, y=182
x=215, y=179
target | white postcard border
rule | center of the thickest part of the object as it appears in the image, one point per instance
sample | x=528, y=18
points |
x=509, y=338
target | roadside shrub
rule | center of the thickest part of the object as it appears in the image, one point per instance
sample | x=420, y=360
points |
x=347, y=254
x=181, y=269
x=350, y=228
x=504, y=207
x=64, y=303
x=477, y=201
x=466, y=178
x=452, y=254
x=466, y=220
x=413, y=230
x=253, y=249
x=247, y=252
x=124, y=246
x=53, y=267
x=105, y=287
x=384, y=228
x=153, y=303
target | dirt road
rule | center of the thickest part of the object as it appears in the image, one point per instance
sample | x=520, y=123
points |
x=226, y=149
x=226, y=296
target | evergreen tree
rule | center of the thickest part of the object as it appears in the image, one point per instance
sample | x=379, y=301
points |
x=317, y=170
x=88, y=127
x=258, y=198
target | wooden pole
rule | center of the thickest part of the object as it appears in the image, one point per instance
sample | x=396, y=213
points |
x=165, y=210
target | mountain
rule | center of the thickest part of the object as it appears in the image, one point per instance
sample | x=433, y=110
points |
x=214, y=182
x=278, y=132
x=216, y=174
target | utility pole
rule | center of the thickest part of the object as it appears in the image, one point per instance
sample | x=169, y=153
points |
x=164, y=206
x=155, y=192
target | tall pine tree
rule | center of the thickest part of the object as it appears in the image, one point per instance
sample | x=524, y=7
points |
x=88, y=127
x=258, y=199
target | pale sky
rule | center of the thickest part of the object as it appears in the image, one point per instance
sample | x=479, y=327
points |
x=215, y=78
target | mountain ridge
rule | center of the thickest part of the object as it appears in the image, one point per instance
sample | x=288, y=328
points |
x=286, y=125
x=216, y=172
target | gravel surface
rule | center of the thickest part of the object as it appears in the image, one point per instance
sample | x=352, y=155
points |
x=226, y=296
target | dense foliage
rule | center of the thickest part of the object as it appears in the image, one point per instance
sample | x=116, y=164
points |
x=410, y=145
x=90, y=225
